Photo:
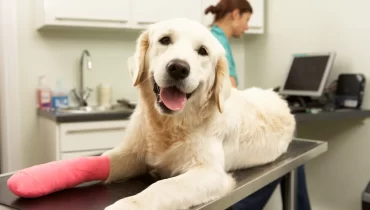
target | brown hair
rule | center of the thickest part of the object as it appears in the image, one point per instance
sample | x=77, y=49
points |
x=225, y=6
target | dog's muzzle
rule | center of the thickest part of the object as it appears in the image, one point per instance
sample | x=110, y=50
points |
x=172, y=98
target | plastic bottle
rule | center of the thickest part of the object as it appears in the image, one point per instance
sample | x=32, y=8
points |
x=59, y=97
x=43, y=93
x=105, y=94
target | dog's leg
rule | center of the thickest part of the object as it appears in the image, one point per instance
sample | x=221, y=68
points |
x=127, y=159
x=196, y=186
x=203, y=183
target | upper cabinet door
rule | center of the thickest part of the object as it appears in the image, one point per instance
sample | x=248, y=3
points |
x=151, y=11
x=191, y=9
x=256, y=21
x=89, y=10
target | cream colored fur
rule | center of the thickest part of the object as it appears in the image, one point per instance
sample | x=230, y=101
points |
x=220, y=128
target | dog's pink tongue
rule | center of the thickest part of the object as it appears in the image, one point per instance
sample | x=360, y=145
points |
x=173, y=98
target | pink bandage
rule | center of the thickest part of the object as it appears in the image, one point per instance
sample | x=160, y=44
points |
x=50, y=177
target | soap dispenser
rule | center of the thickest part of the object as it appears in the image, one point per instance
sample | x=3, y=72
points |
x=43, y=93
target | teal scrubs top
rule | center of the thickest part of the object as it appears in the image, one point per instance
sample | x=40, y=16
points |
x=221, y=36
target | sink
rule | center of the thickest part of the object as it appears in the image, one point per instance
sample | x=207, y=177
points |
x=93, y=109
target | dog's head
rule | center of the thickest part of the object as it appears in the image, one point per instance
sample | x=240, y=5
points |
x=183, y=64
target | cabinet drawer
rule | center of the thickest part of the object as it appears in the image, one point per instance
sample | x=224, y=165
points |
x=91, y=135
x=72, y=155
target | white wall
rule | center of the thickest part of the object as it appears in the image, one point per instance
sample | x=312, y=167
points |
x=57, y=53
x=8, y=85
x=336, y=179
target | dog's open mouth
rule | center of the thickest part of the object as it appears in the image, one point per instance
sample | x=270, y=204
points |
x=170, y=98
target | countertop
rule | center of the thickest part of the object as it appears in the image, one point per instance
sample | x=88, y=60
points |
x=339, y=114
x=65, y=117
x=94, y=196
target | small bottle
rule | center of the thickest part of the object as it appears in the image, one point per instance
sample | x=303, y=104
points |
x=59, y=97
x=43, y=94
x=105, y=94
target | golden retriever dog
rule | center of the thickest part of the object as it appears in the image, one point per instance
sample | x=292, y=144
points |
x=190, y=126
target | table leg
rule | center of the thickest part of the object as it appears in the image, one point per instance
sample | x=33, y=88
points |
x=290, y=186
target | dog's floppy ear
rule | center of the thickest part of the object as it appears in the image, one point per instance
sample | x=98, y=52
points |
x=222, y=86
x=136, y=63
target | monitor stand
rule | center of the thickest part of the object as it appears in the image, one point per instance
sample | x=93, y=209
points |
x=307, y=102
x=304, y=102
x=299, y=101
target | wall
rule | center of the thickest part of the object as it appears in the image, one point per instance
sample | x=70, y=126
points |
x=2, y=150
x=57, y=53
x=337, y=178
x=9, y=86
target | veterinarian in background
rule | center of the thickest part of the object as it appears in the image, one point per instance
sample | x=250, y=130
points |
x=231, y=19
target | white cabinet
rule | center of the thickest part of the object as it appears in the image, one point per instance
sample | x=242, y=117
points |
x=256, y=23
x=186, y=8
x=149, y=11
x=130, y=14
x=93, y=13
x=90, y=135
x=70, y=140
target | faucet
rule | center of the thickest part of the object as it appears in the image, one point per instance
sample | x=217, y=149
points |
x=83, y=94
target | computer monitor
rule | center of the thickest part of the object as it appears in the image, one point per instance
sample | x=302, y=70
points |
x=308, y=74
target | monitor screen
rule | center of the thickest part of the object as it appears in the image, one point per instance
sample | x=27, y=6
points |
x=307, y=74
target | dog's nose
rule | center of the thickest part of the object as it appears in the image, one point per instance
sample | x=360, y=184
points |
x=178, y=69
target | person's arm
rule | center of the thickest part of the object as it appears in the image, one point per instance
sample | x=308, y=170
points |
x=233, y=82
x=232, y=72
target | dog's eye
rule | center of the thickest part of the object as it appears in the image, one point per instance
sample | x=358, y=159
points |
x=202, y=51
x=166, y=40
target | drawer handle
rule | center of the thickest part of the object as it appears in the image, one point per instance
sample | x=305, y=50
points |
x=145, y=22
x=90, y=20
x=94, y=130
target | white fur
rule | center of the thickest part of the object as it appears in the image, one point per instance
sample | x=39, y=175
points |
x=220, y=128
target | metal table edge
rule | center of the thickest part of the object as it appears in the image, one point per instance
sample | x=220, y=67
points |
x=251, y=187
x=8, y=174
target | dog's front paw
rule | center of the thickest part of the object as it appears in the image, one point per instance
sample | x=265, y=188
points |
x=130, y=203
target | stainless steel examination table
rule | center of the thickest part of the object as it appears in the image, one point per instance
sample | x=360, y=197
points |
x=93, y=196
